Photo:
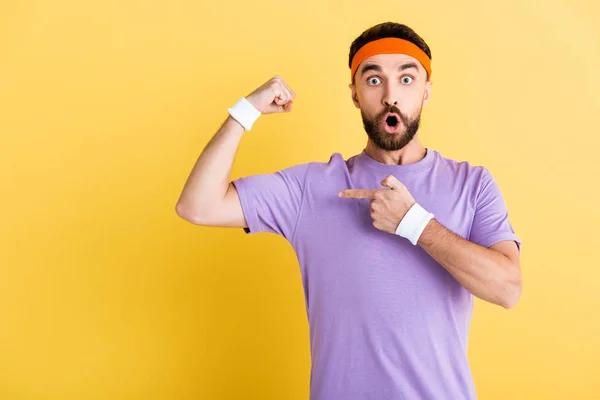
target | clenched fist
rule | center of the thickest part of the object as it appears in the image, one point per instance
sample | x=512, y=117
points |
x=272, y=97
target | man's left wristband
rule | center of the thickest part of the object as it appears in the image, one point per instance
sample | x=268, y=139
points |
x=413, y=223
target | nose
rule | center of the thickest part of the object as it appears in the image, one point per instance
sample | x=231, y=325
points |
x=390, y=98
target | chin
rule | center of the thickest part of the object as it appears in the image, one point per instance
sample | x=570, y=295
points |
x=390, y=141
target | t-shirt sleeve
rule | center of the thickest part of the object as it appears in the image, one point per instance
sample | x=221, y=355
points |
x=271, y=202
x=491, y=223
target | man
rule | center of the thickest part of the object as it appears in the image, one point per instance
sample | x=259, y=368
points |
x=393, y=243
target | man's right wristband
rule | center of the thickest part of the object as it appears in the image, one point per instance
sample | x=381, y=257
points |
x=244, y=113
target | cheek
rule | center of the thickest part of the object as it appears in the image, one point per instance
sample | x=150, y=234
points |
x=411, y=101
x=367, y=97
x=371, y=101
x=368, y=103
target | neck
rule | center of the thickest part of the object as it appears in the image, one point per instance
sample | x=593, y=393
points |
x=411, y=153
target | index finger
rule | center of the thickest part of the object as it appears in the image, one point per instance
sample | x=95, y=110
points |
x=358, y=193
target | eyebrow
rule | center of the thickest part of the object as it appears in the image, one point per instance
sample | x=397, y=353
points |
x=375, y=67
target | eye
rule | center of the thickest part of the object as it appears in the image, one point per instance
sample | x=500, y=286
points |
x=373, y=80
x=407, y=80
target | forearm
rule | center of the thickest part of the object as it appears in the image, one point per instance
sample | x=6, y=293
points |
x=209, y=179
x=484, y=272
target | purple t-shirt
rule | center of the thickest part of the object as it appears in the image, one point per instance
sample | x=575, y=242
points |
x=386, y=320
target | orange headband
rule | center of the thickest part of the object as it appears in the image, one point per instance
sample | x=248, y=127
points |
x=390, y=46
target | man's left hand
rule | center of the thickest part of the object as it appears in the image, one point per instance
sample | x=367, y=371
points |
x=388, y=206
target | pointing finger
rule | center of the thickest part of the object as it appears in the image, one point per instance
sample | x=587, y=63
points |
x=358, y=193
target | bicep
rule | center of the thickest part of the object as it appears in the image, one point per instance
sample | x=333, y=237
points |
x=228, y=213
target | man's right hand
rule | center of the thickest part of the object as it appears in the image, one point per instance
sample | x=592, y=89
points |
x=272, y=97
x=208, y=197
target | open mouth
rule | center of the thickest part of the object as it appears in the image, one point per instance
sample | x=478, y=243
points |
x=391, y=123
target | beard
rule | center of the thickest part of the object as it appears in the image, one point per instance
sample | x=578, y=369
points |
x=391, y=141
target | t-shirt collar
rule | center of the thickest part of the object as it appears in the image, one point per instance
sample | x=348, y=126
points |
x=420, y=165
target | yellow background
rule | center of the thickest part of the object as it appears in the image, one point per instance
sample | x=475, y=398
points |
x=105, y=105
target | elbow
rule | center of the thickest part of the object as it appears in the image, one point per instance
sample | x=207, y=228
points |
x=512, y=294
x=510, y=302
x=188, y=214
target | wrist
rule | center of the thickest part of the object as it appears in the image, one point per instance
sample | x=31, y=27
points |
x=413, y=223
x=244, y=112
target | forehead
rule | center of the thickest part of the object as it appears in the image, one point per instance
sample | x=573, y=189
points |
x=390, y=62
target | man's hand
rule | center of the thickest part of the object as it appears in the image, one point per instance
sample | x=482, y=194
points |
x=388, y=207
x=274, y=96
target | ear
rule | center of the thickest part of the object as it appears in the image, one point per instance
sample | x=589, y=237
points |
x=352, y=87
x=427, y=92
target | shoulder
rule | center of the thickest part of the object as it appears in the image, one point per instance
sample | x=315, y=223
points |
x=476, y=179
x=473, y=173
x=335, y=161
x=333, y=165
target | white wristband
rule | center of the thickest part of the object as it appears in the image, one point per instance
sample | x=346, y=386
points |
x=414, y=223
x=245, y=113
